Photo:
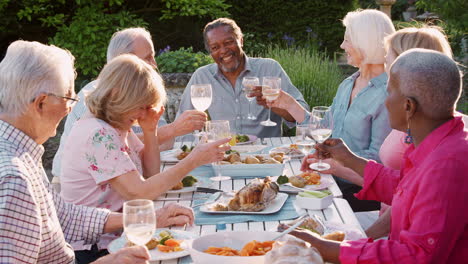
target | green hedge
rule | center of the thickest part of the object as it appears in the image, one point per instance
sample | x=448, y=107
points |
x=182, y=60
x=304, y=21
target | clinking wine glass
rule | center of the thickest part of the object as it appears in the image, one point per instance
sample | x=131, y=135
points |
x=216, y=130
x=303, y=138
x=139, y=221
x=249, y=84
x=271, y=87
x=201, y=96
x=321, y=130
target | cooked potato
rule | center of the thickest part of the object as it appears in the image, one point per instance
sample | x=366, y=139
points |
x=251, y=160
x=260, y=158
x=297, y=181
x=223, y=162
x=279, y=158
x=234, y=157
x=271, y=161
x=178, y=186
x=337, y=236
x=237, y=162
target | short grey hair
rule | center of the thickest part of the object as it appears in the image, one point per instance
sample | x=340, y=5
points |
x=30, y=69
x=122, y=41
x=431, y=78
x=221, y=22
x=366, y=30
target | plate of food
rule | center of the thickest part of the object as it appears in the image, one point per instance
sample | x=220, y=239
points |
x=244, y=165
x=290, y=150
x=306, y=180
x=188, y=184
x=242, y=139
x=175, y=155
x=165, y=244
x=260, y=196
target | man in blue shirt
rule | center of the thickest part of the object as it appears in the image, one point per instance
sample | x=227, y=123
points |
x=223, y=40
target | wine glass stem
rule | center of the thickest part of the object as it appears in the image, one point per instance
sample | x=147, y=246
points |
x=269, y=113
x=250, y=113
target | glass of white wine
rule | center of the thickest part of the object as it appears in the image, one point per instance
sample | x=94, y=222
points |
x=139, y=221
x=321, y=129
x=271, y=87
x=304, y=141
x=249, y=84
x=201, y=96
x=216, y=130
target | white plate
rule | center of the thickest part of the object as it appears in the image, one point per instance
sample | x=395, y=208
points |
x=325, y=182
x=249, y=148
x=252, y=139
x=156, y=255
x=297, y=154
x=170, y=155
x=273, y=207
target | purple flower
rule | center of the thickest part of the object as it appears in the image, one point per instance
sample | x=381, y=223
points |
x=308, y=29
x=289, y=40
x=166, y=49
x=270, y=35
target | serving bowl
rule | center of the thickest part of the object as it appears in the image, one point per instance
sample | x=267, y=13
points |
x=314, y=203
x=232, y=239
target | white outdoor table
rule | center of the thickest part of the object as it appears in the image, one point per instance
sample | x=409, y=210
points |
x=339, y=211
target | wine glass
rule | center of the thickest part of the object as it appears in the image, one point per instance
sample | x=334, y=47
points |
x=201, y=96
x=218, y=129
x=304, y=141
x=271, y=87
x=249, y=84
x=139, y=221
x=321, y=130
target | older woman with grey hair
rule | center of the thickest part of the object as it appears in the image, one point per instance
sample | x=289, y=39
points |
x=359, y=115
x=36, y=92
x=428, y=195
x=135, y=41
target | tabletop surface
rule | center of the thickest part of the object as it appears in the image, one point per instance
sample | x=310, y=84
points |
x=339, y=211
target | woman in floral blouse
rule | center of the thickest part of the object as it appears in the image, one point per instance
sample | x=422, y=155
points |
x=104, y=162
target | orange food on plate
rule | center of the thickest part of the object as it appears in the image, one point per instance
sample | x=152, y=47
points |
x=253, y=248
x=312, y=178
x=170, y=245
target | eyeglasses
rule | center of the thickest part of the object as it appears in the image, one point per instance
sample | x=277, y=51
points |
x=71, y=101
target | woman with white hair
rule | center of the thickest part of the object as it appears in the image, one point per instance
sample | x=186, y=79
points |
x=359, y=115
x=428, y=194
x=36, y=92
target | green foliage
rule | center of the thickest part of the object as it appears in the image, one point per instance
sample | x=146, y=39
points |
x=88, y=35
x=182, y=60
x=211, y=8
x=310, y=71
x=293, y=22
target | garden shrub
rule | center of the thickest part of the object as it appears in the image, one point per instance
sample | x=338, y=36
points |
x=296, y=22
x=88, y=35
x=182, y=60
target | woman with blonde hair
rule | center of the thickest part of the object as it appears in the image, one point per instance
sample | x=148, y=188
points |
x=104, y=162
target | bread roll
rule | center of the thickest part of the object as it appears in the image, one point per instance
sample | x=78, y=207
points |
x=293, y=251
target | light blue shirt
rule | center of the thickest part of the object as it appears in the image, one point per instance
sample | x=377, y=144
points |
x=76, y=113
x=363, y=125
x=231, y=104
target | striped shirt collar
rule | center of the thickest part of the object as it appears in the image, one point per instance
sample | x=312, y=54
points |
x=22, y=142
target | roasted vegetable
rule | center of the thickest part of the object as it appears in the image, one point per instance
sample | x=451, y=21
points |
x=282, y=179
x=242, y=138
x=164, y=235
x=189, y=181
x=184, y=148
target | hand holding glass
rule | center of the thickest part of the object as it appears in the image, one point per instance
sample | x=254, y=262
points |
x=321, y=130
x=139, y=221
x=271, y=87
x=249, y=84
x=201, y=96
x=218, y=129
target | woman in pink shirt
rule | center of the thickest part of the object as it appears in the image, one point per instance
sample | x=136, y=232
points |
x=428, y=195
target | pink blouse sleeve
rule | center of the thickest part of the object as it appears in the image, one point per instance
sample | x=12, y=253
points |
x=107, y=156
x=379, y=183
x=438, y=222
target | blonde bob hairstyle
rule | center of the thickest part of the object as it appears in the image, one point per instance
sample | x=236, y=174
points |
x=30, y=69
x=427, y=37
x=366, y=30
x=126, y=83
